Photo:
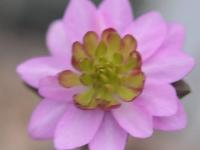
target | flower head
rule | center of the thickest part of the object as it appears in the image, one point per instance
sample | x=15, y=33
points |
x=108, y=76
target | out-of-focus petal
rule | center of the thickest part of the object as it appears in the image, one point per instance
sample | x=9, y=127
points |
x=110, y=136
x=174, y=122
x=50, y=88
x=58, y=42
x=77, y=127
x=79, y=18
x=134, y=119
x=175, y=37
x=33, y=70
x=45, y=118
x=117, y=13
x=170, y=64
x=169, y=68
x=150, y=32
x=159, y=99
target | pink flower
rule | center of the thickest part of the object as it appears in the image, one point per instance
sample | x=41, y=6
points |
x=108, y=76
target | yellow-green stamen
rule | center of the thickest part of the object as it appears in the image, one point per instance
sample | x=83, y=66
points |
x=109, y=67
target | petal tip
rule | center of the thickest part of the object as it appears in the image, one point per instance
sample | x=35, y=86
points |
x=34, y=133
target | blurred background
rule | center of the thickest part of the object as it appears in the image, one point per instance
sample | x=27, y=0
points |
x=23, y=25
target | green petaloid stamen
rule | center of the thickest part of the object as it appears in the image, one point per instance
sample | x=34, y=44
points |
x=109, y=67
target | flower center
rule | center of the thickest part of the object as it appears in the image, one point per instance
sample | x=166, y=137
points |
x=109, y=67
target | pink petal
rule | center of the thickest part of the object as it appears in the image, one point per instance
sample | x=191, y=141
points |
x=35, y=69
x=134, y=119
x=57, y=40
x=158, y=98
x=169, y=68
x=77, y=128
x=110, y=136
x=150, y=32
x=170, y=64
x=117, y=13
x=79, y=18
x=45, y=118
x=80, y=148
x=175, y=122
x=175, y=36
x=51, y=89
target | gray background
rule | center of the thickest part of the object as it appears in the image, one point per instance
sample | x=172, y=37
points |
x=23, y=24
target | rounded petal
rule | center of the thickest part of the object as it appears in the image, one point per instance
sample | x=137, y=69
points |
x=79, y=18
x=174, y=122
x=169, y=69
x=170, y=64
x=45, y=118
x=163, y=102
x=57, y=40
x=77, y=128
x=50, y=88
x=116, y=13
x=134, y=119
x=110, y=136
x=35, y=69
x=175, y=37
x=150, y=32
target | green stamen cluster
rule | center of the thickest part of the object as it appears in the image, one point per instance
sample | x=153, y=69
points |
x=110, y=69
